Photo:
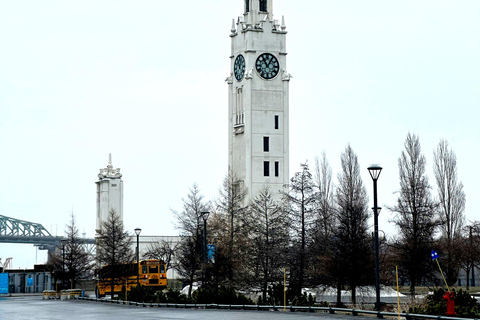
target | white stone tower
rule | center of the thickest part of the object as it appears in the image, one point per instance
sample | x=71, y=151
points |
x=258, y=88
x=109, y=193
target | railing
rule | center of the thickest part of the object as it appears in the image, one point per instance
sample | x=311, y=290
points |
x=353, y=312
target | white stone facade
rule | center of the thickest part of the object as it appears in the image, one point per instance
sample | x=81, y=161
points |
x=259, y=103
x=109, y=193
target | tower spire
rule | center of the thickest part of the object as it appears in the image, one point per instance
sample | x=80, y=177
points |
x=109, y=171
x=233, y=30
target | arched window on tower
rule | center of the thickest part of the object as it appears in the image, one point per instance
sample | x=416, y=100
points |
x=247, y=6
x=239, y=107
x=263, y=5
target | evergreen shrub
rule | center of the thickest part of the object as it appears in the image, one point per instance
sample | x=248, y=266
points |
x=465, y=305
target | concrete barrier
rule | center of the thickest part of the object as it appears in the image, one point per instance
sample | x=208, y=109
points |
x=70, y=294
x=49, y=294
x=64, y=295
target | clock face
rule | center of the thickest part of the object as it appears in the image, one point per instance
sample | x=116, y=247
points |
x=239, y=67
x=267, y=66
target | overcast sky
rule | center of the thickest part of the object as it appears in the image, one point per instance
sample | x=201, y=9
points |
x=145, y=81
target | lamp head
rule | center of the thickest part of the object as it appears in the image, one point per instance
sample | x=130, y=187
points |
x=137, y=231
x=374, y=171
x=205, y=214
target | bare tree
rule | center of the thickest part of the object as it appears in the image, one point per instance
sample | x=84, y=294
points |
x=267, y=227
x=231, y=204
x=301, y=205
x=114, y=247
x=163, y=250
x=221, y=266
x=353, y=248
x=189, y=262
x=414, y=214
x=189, y=222
x=324, y=223
x=450, y=191
x=325, y=203
x=469, y=250
x=451, y=206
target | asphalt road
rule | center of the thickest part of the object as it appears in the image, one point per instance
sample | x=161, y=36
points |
x=33, y=307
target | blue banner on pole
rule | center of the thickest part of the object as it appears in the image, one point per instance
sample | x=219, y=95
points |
x=434, y=255
x=211, y=252
x=29, y=282
x=3, y=283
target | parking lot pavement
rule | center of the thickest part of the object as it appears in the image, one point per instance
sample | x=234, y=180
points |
x=34, y=307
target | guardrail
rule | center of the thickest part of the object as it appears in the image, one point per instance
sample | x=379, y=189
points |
x=348, y=311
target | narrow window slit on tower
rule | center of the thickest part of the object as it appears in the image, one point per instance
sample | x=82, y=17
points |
x=276, y=168
x=266, y=143
x=276, y=121
x=263, y=5
x=266, y=168
x=239, y=107
x=247, y=5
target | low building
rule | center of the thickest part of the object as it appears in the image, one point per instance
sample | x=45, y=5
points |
x=34, y=280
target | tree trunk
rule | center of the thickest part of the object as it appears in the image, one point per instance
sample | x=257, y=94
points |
x=265, y=280
x=468, y=279
x=412, y=288
x=192, y=275
x=354, y=295
x=339, y=295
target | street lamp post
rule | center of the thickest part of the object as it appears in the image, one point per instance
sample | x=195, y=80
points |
x=64, y=242
x=205, y=215
x=137, y=232
x=375, y=171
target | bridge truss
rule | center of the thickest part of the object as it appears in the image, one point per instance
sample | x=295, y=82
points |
x=15, y=227
x=20, y=231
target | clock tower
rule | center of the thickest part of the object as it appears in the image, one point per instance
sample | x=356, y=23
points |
x=258, y=100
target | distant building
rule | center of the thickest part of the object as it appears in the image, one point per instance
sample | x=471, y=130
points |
x=109, y=193
x=110, y=196
x=34, y=280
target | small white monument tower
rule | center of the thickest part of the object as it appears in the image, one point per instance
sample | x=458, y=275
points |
x=109, y=193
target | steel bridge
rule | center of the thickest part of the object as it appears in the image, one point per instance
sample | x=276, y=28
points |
x=25, y=232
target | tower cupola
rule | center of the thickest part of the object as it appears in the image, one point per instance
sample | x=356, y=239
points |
x=258, y=10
